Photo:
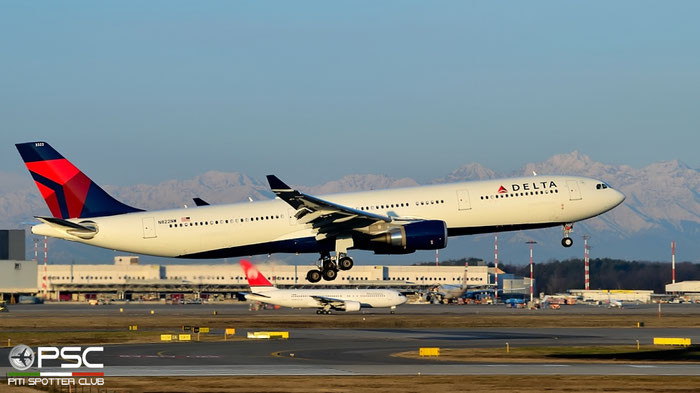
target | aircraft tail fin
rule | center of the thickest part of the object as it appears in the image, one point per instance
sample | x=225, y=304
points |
x=256, y=279
x=68, y=192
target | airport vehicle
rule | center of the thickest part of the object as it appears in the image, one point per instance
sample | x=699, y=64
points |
x=98, y=302
x=395, y=221
x=325, y=301
x=515, y=302
x=3, y=308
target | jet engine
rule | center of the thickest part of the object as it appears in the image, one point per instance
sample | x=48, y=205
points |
x=350, y=305
x=421, y=235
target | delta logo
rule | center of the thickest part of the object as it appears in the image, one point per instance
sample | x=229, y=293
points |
x=528, y=186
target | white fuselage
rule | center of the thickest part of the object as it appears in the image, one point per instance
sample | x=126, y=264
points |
x=263, y=227
x=304, y=298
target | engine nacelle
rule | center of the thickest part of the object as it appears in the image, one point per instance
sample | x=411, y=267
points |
x=421, y=235
x=351, y=305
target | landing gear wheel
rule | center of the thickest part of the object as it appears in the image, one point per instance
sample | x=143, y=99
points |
x=567, y=242
x=313, y=276
x=328, y=264
x=345, y=263
x=330, y=274
x=319, y=311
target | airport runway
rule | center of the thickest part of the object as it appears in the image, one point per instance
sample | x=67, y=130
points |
x=368, y=351
x=238, y=308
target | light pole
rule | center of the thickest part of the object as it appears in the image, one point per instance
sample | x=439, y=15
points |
x=531, y=243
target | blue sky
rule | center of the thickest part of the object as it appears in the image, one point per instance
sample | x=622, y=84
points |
x=142, y=92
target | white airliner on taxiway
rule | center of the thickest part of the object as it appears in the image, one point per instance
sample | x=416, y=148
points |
x=395, y=221
x=323, y=300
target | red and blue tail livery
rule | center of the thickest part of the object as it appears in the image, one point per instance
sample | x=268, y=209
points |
x=66, y=190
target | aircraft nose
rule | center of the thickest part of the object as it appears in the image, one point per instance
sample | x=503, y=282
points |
x=619, y=197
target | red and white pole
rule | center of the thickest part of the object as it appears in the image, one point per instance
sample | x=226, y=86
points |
x=586, y=262
x=495, y=262
x=44, y=284
x=673, y=262
x=531, y=243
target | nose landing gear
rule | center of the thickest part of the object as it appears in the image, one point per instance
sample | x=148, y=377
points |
x=567, y=241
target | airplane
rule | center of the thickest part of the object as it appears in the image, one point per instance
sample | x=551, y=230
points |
x=612, y=303
x=323, y=300
x=24, y=357
x=394, y=221
x=449, y=291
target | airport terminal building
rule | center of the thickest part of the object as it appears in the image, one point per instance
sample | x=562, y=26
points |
x=127, y=279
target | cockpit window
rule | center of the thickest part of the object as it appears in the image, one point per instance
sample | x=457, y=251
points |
x=601, y=186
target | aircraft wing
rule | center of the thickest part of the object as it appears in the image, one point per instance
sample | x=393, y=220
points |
x=327, y=217
x=334, y=303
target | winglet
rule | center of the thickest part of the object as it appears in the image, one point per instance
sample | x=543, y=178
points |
x=276, y=184
x=200, y=202
x=254, y=276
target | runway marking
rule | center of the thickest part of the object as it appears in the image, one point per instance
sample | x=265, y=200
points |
x=642, y=365
x=291, y=355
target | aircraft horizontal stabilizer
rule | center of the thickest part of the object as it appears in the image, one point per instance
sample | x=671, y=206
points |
x=84, y=230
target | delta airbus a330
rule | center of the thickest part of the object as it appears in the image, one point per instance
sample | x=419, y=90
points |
x=395, y=221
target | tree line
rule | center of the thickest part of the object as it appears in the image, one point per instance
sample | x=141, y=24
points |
x=556, y=276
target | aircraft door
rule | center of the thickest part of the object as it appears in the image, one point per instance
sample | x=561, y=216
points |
x=149, y=228
x=574, y=191
x=463, y=201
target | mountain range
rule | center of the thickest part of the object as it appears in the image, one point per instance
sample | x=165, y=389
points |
x=663, y=204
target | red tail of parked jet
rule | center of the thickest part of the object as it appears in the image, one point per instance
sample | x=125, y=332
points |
x=256, y=280
x=66, y=190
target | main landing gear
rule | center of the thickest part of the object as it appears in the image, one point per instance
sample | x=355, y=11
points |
x=567, y=241
x=328, y=267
